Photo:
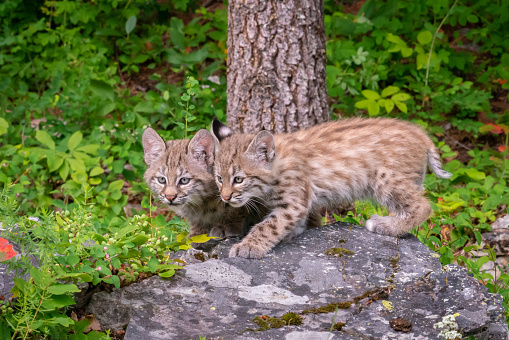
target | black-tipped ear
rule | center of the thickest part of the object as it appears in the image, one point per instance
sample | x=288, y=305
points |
x=262, y=148
x=153, y=146
x=219, y=130
x=201, y=149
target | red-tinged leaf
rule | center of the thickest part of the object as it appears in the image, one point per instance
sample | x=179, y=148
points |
x=6, y=251
x=492, y=127
x=502, y=148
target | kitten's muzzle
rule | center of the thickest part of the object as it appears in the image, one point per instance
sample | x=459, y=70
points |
x=227, y=198
x=170, y=197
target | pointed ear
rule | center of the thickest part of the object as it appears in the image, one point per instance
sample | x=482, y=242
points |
x=201, y=149
x=153, y=146
x=262, y=148
x=219, y=130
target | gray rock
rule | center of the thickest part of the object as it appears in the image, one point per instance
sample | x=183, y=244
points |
x=501, y=223
x=383, y=279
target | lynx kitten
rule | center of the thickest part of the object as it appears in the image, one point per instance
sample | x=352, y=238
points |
x=299, y=173
x=180, y=174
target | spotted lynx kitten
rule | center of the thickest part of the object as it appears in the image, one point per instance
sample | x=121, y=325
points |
x=180, y=174
x=297, y=174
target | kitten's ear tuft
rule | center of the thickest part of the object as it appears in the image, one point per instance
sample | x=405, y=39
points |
x=201, y=149
x=153, y=146
x=219, y=130
x=262, y=148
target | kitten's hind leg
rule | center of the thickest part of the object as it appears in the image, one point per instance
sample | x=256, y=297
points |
x=410, y=206
x=314, y=219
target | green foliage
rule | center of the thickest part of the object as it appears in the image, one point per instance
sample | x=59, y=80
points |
x=78, y=247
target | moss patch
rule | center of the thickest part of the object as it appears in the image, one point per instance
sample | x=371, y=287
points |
x=338, y=252
x=265, y=322
x=338, y=326
x=331, y=307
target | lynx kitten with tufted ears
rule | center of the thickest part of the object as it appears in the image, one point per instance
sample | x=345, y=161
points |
x=180, y=174
x=297, y=174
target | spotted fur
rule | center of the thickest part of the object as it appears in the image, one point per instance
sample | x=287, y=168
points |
x=180, y=174
x=296, y=175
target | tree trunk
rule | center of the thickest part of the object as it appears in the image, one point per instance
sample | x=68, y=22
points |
x=276, y=65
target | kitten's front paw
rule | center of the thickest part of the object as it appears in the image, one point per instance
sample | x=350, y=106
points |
x=247, y=251
x=382, y=225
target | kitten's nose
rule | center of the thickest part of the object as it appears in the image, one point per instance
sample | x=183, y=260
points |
x=227, y=198
x=170, y=197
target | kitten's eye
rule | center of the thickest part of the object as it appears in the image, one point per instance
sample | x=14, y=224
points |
x=161, y=180
x=184, y=180
x=238, y=180
x=219, y=179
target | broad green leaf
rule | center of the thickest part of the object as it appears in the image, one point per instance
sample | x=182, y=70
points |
x=201, y=238
x=106, y=108
x=116, y=185
x=96, y=171
x=90, y=149
x=475, y=174
x=422, y=61
x=401, y=106
x=400, y=97
x=54, y=162
x=373, y=108
x=38, y=278
x=75, y=140
x=139, y=240
x=389, y=91
x=102, y=89
x=168, y=273
x=82, y=276
x=77, y=164
x=64, y=171
x=152, y=264
x=58, y=301
x=44, y=138
x=371, y=94
x=363, y=104
x=60, y=289
x=406, y=52
x=389, y=105
x=61, y=320
x=130, y=24
x=4, y=126
x=424, y=37
x=72, y=259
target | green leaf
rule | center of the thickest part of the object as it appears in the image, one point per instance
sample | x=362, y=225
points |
x=90, y=149
x=82, y=276
x=44, y=138
x=4, y=126
x=60, y=289
x=152, y=264
x=400, y=97
x=58, y=301
x=422, y=61
x=102, y=89
x=64, y=171
x=424, y=37
x=389, y=105
x=38, y=277
x=475, y=174
x=363, y=104
x=54, y=162
x=168, y=273
x=371, y=94
x=61, y=320
x=389, y=91
x=401, y=106
x=201, y=238
x=116, y=185
x=77, y=165
x=96, y=171
x=130, y=24
x=115, y=280
x=139, y=240
x=72, y=260
x=75, y=140
x=373, y=108
x=406, y=52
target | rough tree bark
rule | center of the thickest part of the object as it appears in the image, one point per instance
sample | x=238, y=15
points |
x=276, y=65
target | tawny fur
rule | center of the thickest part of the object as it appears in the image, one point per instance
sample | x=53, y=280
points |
x=296, y=175
x=198, y=200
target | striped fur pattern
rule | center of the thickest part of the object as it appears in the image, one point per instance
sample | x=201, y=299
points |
x=180, y=174
x=295, y=175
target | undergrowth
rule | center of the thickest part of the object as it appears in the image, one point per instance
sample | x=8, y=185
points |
x=81, y=80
